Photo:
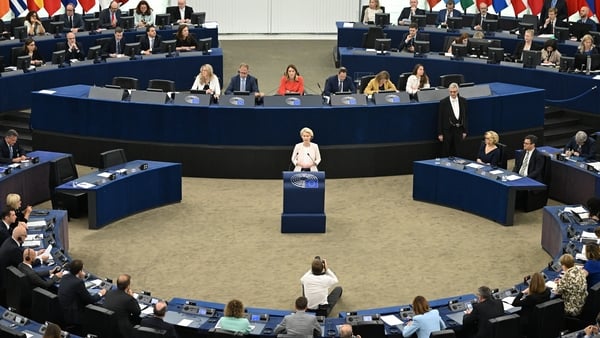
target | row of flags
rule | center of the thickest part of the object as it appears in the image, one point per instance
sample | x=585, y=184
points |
x=535, y=6
x=50, y=6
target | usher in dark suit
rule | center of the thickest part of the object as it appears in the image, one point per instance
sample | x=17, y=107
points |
x=332, y=85
x=535, y=167
x=450, y=127
x=126, y=308
x=235, y=83
x=405, y=14
x=477, y=320
x=73, y=297
x=145, y=43
x=5, y=152
x=158, y=323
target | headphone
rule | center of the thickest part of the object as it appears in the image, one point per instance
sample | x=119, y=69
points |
x=27, y=256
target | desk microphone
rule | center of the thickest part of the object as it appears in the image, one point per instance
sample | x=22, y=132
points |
x=308, y=154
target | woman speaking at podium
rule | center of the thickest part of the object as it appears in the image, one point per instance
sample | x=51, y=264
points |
x=306, y=156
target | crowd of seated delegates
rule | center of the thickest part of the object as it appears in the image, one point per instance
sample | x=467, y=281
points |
x=572, y=286
x=489, y=153
x=143, y=15
x=581, y=145
x=291, y=83
x=425, y=320
x=339, y=83
x=448, y=12
x=234, y=319
x=586, y=46
x=369, y=13
x=536, y=293
x=33, y=25
x=475, y=321
x=381, y=82
x=185, y=41
x=207, y=81
x=417, y=81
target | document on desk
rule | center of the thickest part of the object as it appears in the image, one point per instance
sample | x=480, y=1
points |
x=34, y=225
x=105, y=174
x=496, y=172
x=185, y=322
x=513, y=177
x=456, y=316
x=588, y=235
x=148, y=310
x=475, y=165
x=85, y=185
x=348, y=25
x=551, y=284
x=507, y=304
x=391, y=320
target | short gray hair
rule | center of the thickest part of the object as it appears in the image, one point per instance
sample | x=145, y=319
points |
x=453, y=85
x=11, y=133
x=581, y=137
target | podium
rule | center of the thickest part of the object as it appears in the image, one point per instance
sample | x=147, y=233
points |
x=303, y=202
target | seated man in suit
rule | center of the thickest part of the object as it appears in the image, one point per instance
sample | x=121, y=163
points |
x=73, y=49
x=581, y=145
x=110, y=17
x=244, y=82
x=181, y=13
x=150, y=43
x=73, y=22
x=475, y=322
x=407, y=43
x=482, y=15
x=407, y=13
x=10, y=149
x=37, y=277
x=551, y=22
x=346, y=332
x=156, y=321
x=126, y=308
x=561, y=9
x=339, y=83
x=115, y=47
x=8, y=217
x=73, y=296
x=444, y=14
x=584, y=17
x=530, y=162
x=300, y=323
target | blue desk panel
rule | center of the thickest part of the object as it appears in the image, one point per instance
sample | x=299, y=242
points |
x=136, y=191
x=462, y=189
x=558, y=86
x=16, y=87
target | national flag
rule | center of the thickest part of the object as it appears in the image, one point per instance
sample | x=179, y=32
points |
x=487, y=2
x=18, y=6
x=86, y=5
x=518, y=6
x=4, y=8
x=52, y=6
x=466, y=4
x=35, y=5
x=535, y=6
x=432, y=3
x=499, y=5
x=593, y=5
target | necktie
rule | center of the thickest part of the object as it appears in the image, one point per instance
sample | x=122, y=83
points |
x=524, y=165
x=482, y=18
x=113, y=21
x=341, y=86
x=71, y=21
x=10, y=152
x=118, y=47
x=151, y=43
x=243, y=85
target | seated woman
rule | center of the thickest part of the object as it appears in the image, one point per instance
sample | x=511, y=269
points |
x=143, y=14
x=587, y=46
x=489, y=153
x=418, y=80
x=425, y=320
x=208, y=81
x=233, y=318
x=29, y=48
x=381, y=81
x=369, y=13
x=291, y=82
x=572, y=286
x=535, y=294
x=13, y=201
x=462, y=39
x=526, y=44
x=550, y=55
x=184, y=40
x=591, y=268
x=33, y=24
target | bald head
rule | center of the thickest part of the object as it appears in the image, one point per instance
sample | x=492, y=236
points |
x=28, y=256
x=19, y=234
x=345, y=331
x=123, y=281
x=160, y=308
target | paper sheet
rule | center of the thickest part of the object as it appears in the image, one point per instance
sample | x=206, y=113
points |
x=105, y=174
x=391, y=320
x=513, y=177
x=46, y=91
x=475, y=165
x=185, y=322
x=496, y=172
x=85, y=185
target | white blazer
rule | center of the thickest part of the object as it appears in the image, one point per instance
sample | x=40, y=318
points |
x=306, y=157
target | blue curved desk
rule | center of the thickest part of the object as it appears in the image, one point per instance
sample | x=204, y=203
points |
x=213, y=141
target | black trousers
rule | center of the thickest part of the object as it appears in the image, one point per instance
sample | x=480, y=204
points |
x=452, y=140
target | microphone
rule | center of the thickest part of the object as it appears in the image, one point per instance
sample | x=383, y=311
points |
x=308, y=154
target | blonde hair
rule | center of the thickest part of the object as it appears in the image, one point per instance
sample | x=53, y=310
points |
x=493, y=136
x=308, y=131
x=12, y=200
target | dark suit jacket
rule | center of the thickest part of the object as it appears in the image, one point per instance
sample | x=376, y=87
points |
x=126, y=308
x=160, y=324
x=536, y=165
x=77, y=22
x=528, y=303
x=478, y=318
x=446, y=118
x=234, y=85
x=406, y=13
x=588, y=149
x=477, y=19
x=75, y=53
x=548, y=29
x=404, y=45
x=5, y=232
x=442, y=16
x=111, y=46
x=36, y=277
x=519, y=48
x=174, y=11
x=5, y=152
x=332, y=85
x=561, y=7
x=145, y=43
x=11, y=254
x=591, y=23
x=105, y=17
x=73, y=297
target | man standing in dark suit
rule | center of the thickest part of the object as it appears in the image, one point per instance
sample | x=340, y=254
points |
x=73, y=296
x=339, y=83
x=156, y=321
x=73, y=49
x=452, y=121
x=181, y=13
x=73, y=22
x=482, y=15
x=408, y=12
x=115, y=47
x=407, y=43
x=475, y=322
x=244, y=82
x=110, y=17
x=530, y=162
x=150, y=43
x=26, y=266
x=126, y=308
x=10, y=149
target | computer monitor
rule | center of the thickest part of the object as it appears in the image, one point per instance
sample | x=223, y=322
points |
x=162, y=20
x=567, y=64
x=596, y=36
x=198, y=18
x=23, y=62
x=127, y=23
x=489, y=26
x=459, y=51
x=421, y=48
x=383, y=45
x=95, y=53
x=454, y=23
x=91, y=24
x=204, y=45
x=495, y=55
x=507, y=23
x=58, y=57
x=562, y=33
x=20, y=33
x=578, y=29
x=421, y=20
x=241, y=93
x=382, y=19
x=479, y=47
x=56, y=27
x=523, y=26
x=581, y=62
x=168, y=46
x=8, y=332
x=531, y=58
x=132, y=49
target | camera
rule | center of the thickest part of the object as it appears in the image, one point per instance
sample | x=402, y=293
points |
x=318, y=257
